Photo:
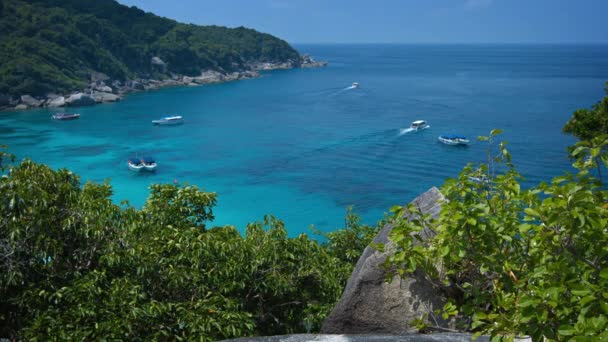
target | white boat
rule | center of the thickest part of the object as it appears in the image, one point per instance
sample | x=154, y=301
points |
x=453, y=139
x=149, y=163
x=135, y=164
x=418, y=125
x=355, y=85
x=66, y=116
x=169, y=120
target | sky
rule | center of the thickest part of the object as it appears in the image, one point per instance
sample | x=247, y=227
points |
x=399, y=21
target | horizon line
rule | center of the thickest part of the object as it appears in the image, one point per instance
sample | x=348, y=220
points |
x=451, y=43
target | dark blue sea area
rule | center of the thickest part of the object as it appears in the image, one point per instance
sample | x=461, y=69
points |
x=303, y=145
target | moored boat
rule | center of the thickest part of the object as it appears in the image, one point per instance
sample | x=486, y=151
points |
x=149, y=163
x=169, y=120
x=419, y=124
x=135, y=164
x=65, y=116
x=453, y=139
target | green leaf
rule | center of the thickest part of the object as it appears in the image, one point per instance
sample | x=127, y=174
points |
x=566, y=330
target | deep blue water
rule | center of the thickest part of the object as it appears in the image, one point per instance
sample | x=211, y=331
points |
x=299, y=145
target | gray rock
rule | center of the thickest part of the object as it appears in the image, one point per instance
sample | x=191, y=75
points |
x=449, y=337
x=209, y=76
x=104, y=97
x=30, y=101
x=135, y=85
x=158, y=64
x=103, y=88
x=21, y=106
x=157, y=61
x=99, y=76
x=371, y=305
x=79, y=99
x=56, y=102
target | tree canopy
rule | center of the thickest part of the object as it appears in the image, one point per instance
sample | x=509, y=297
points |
x=586, y=124
x=54, y=45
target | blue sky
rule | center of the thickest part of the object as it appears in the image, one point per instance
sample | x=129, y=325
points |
x=400, y=21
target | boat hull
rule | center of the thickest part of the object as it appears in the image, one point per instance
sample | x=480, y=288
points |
x=66, y=117
x=453, y=142
x=136, y=168
x=167, y=123
x=150, y=167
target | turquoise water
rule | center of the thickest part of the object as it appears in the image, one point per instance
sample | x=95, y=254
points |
x=300, y=145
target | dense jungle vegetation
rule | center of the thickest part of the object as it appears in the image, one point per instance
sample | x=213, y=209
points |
x=54, y=45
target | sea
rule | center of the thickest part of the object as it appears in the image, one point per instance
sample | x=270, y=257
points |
x=304, y=145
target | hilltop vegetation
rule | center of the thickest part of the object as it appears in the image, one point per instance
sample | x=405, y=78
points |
x=54, y=45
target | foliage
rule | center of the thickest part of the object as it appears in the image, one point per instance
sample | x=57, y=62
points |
x=348, y=243
x=512, y=261
x=54, y=45
x=73, y=265
x=586, y=124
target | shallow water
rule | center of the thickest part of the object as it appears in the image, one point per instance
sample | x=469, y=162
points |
x=303, y=144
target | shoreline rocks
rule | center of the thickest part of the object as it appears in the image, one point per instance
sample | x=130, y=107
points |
x=102, y=89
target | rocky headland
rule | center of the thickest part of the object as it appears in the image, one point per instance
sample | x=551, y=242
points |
x=103, y=89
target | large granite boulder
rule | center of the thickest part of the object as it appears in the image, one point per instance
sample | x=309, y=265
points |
x=369, y=304
x=99, y=97
x=30, y=101
x=55, y=102
x=79, y=99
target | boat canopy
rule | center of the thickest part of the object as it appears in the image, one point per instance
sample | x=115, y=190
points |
x=418, y=122
x=135, y=161
x=453, y=136
x=148, y=160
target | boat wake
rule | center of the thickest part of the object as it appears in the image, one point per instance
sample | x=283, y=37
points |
x=403, y=131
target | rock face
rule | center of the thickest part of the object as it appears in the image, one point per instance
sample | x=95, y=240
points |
x=104, y=97
x=306, y=61
x=158, y=63
x=30, y=101
x=371, y=305
x=80, y=99
x=56, y=102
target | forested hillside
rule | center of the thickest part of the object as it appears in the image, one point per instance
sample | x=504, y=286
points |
x=54, y=45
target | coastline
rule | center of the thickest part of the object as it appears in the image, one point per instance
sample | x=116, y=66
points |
x=102, y=89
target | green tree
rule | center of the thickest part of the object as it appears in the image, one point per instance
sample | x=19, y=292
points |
x=512, y=261
x=73, y=265
x=586, y=124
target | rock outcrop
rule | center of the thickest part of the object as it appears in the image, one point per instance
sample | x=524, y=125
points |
x=371, y=305
x=306, y=61
x=58, y=101
x=79, y=99
x=158, y=64
x=99, y=97
x=30, y=101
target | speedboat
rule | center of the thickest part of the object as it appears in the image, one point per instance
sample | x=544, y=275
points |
x=65, y=116
x=135, y=164
x=169, y=120
x=418, y=125
x=355, y=85
x=149, y=163
x=453, y=139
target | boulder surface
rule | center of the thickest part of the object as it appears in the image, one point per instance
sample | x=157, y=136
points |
x=370, y=305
